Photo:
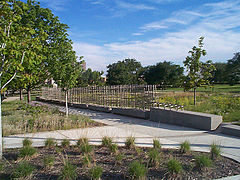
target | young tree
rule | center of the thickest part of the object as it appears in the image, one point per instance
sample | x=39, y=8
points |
x=233, y=69
x=198, y=73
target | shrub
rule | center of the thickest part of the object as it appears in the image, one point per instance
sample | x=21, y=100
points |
x=27, y=151
x=23, y=170
x=106, y=141
x=48, y=160
x=50, y=143
x=130, y=142
x=68, y=171
x=215, y=151
x=203, y=161
x=185, y=147
x=174, y=166
x=27, y=142
x=154, y=157
x=65, y=143
x=113, y=148
x=156, y=144
x=137, y=170
x=95, y=172
x=82, y=141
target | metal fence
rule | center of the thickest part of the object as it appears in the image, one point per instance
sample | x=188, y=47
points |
x=132, y=96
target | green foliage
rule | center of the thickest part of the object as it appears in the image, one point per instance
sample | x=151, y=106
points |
x=68, y=171
x=124, y=72
x=95, y=172
x=84, y=146
x=87, y=160
x=82, y=141
x=106, y=141
x=215, y=151
x=2, y=166
x=23, y=170
x=50, y=143
x=119, y=158
x=27, y=151
x=202, y=162
x=65, y=143
x=130, y=142
x=185, y=147
x=27, y=142
x=233, y=69
x=156, y=144
x=174, y=166
x=113, y=148
x=48, y=161
x=164, y=73
x=154, y=157
x=90, y=77
x=137, y=170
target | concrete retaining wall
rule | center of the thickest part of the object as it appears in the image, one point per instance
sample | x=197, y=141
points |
x=233, y=130
x=132, y=112
x=81, y=106
x=186, y=118
x=99, y=108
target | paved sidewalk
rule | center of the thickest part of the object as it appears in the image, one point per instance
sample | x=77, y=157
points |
x=120, y=127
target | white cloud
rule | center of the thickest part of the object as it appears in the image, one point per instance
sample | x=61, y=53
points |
x=133, y=7
x=137, y=34
x=56, y=5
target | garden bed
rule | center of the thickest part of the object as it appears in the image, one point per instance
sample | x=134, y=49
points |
x=114, y=164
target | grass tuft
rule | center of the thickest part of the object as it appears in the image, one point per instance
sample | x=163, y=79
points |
x=106, y=141
x=48, y=161
x=65, y=143
x=23, y=170
x=130, y=142
x=203, y=162
x=27, y=142
x=154, y=157
x=68, y=171
x=27, y=151
x=174, y=166
x=137, y=170
x=185, y=147
x=215, y=151
x=95, y=172
x=50, y=143
x=156, y=144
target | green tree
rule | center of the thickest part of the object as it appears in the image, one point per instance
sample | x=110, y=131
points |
x=124, y=72
x=90, y=77
x=198, y=73
x=233, y=69
x=164, y=73
x=220, y=73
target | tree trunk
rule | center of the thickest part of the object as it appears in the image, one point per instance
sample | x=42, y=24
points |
x=20, y=94
x=66, y=101
x=28, y=95
x=195, y=98
x=1, y=139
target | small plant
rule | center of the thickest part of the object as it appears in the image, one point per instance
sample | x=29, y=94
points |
x=50, y=143
x=68, y=171
x=87, y=160
x=27, y=142
x=86, y=148
x=27, y=151
x=106, y=141
x=113, y=148
x=174, y=166
x=1, y=166
x=138, y=151
x=215, y=151
x=185, y=147
x=154, y=157
x=130, y=142
x=48, y=161
x=156, y=144
x=95, y=172
x=137, y=170
x=23, y=170
x=65, y=143
x=203, y=162
x=119, y=158
x=82, y=141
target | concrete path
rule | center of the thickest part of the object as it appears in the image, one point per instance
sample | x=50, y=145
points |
x=121, y=127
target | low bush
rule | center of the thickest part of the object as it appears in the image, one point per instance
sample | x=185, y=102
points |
x=137, y=170
x=215, y=151
x=156, y=144
x=154, y=157
x=23, y=170
x=203, y=162
x=106, y=141
x=48, y=161
x=27, y=142
x=95, y=172
x=130, y=142
x=50, y=143
x=174, y=166
x=68, y=171
x=65, y=143
x=185, y=147
x=27, y=151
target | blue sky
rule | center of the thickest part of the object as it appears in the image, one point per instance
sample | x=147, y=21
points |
x=151, y=31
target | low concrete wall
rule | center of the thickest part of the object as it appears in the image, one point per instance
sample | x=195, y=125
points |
x=186, y=118
x=81, y=106
x=132, y=112
x=233, y=130
x=99, y=108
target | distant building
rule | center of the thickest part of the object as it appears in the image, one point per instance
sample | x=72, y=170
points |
x=84, y=66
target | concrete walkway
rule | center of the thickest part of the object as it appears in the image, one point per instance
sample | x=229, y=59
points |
x=121, y=127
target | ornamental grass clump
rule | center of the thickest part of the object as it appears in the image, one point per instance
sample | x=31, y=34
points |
x=88, y=160
x=95, y=172
x=106, y=141
x=68, y=171
x=154, y=157
x=50, y=143
x=156, y=144
x=23, y=170
x=113, y=148
x=27, y=151
x=174, y=166
x=65, y=143
x=130, y=142
x=82, y=141
x=48, y=161
x=137, y=170
x=215, y=151
x=185, y=147
x=27, y=142
x=202, y=162
x=119, y=158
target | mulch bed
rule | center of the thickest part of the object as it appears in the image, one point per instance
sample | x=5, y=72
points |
x=221, y=167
